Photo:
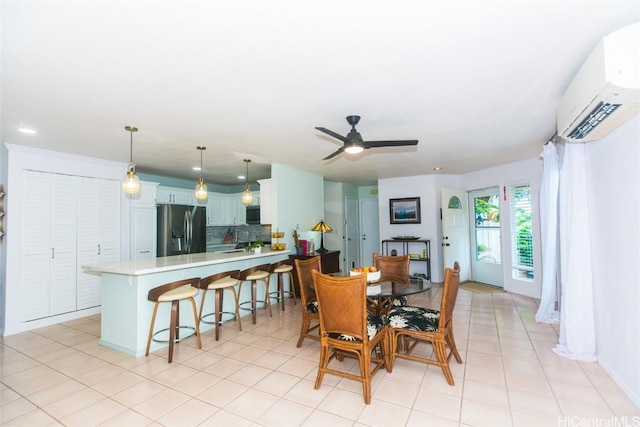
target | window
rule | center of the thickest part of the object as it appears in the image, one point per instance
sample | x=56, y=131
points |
x=522, y=238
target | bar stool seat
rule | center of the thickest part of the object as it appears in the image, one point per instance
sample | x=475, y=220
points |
x=280, y=269
x=174, y=292
x=220, y=282
x=253, y=275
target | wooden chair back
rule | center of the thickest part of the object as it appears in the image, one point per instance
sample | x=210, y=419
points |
x=156, y=293
x=449, y=296
x=303, y=268
x=392, y=266
x=342, y=304
x=206, y=281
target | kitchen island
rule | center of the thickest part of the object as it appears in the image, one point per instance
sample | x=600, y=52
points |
x=126, y=312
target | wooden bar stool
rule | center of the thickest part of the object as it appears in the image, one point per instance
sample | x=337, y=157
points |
x=174, y=292
x=253, y=274
x=219, y=283
x=280, y=269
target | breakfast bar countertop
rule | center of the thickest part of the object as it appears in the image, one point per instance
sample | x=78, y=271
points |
x=176, y=262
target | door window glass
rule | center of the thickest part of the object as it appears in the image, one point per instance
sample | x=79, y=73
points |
x=487, y=228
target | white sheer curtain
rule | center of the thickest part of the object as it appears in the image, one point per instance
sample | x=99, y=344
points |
x=547, y=312
x=577, y=323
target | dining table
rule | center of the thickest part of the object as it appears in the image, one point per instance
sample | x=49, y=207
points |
x=382, y=292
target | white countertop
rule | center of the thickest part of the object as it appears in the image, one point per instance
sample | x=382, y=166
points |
x=176, y=262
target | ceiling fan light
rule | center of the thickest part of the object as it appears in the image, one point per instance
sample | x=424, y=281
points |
x=354, y=149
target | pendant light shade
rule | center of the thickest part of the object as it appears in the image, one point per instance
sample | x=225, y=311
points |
x=201, y=187
x=247, y=197
x=131, y=182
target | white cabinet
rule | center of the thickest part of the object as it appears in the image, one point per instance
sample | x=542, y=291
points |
x=265, y=201
x=68, y=222
x=98, y=239
x=255, y=201
x=226, y=209
x=175, y=196
x=144, y=232
x=146, y=197
x=48, y=245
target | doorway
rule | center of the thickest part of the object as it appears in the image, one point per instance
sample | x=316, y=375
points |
x=486, y=244
x=369, y=227
x=352, y=246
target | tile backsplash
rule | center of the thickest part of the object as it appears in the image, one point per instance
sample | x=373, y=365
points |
x=245, y=233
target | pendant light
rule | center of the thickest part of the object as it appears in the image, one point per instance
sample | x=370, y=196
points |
x=247, y=197
x=131, y=182
x=201, y=187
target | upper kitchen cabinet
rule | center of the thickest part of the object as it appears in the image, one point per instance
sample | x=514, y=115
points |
x=175, y=196
x=226, y=209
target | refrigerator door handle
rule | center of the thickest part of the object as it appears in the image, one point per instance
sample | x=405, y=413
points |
x=185, y=230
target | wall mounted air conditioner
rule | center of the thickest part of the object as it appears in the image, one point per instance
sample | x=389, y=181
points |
x=606, y=90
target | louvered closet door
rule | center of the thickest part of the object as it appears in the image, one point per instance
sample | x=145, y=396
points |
x=88, y=241
x=98, y=234
x=64, y=196
x=36, y=245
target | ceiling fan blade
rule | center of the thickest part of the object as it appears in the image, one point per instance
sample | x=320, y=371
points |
x=397, y=143
x=333, y=134
x=335, y=153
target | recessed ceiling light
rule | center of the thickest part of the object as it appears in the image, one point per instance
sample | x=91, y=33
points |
x=26, y=130
x=241, y=177
x=196, y=168
x=437, y=168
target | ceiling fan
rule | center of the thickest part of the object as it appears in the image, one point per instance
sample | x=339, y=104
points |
x=353, y=142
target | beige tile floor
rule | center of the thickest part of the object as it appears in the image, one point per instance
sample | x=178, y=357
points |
x=59, y=375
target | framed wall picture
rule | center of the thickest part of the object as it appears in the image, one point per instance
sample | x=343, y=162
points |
x=404, y=211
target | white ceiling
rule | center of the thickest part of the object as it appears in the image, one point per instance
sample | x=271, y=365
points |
x=476, y=82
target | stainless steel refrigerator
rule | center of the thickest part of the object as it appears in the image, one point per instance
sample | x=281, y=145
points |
x=181, y=230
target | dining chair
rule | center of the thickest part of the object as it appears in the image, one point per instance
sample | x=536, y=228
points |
x=391, y=267
x=426, y=325
x=310, y=318
x=347, y=329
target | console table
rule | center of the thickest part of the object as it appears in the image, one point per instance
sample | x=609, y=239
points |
x=423, y=248
x=329, y=261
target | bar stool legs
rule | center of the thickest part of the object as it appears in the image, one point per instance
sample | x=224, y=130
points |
x=253, y=274
x=174, y=292
x=280, y=269
x=219, y=283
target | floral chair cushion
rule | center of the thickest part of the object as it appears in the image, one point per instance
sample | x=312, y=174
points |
x=414, y=318
x=374, y=325
x=312, y=306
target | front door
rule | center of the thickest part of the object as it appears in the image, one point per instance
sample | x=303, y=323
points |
x=455, y=230
x=486, y=259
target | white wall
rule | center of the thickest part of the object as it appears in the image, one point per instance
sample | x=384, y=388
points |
x=613, y=166
x=298, y=199
x=427, y=187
